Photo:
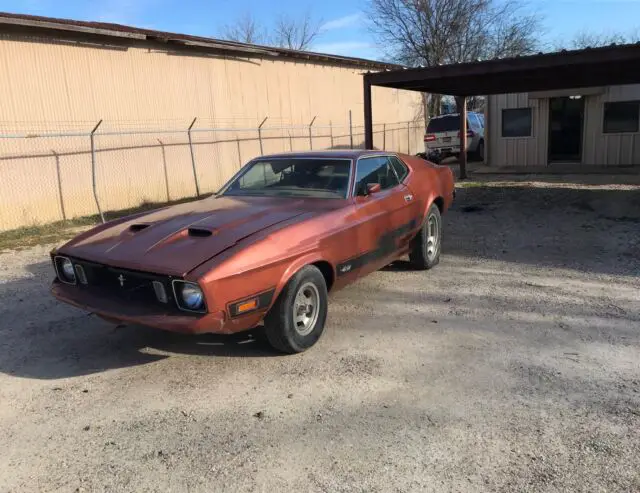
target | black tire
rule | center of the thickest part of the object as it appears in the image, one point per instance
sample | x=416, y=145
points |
x=282, y=331
x=480, y=151
x=425, y=252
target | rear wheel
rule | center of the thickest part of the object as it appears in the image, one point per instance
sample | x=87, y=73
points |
x=426, y=246
x=296, y=320
x=480, y=151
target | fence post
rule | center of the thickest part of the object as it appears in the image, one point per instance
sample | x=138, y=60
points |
x=408, y=137
x=193, y=157
x=384, y=136
x=93, y=169
x=260, y=135
x=350, y=130
x=331, y=133
x=57, y=159
x=164, y=167
x=310, y=133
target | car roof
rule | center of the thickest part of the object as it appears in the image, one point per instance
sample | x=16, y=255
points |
x=454, y=114
x=332, y=154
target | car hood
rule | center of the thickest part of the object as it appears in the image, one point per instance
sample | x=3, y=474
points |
x=177, y=239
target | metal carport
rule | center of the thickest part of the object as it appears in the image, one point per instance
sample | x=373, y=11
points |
x=609, y=65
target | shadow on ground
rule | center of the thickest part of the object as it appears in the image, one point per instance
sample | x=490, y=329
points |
x=586, y=229
x=43, y=338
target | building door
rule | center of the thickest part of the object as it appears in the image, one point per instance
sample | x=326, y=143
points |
x=566, y=123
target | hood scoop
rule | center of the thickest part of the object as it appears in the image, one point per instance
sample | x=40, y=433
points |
x=199, y=232
x=134, y=228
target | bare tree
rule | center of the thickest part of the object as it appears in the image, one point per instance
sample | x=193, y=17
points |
x=287, y=32
x=245, y=30
x=434, y=32
x=587, y=39
x=296, y=34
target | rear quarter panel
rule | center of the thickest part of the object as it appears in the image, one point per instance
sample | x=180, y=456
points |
x=429, y=182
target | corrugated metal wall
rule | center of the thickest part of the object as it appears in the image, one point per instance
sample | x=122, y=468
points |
x=599, y=149
x=517, y=151
x=609, y=149
x=54, y=85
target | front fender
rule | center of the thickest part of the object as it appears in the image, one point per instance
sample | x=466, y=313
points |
x=295, y=266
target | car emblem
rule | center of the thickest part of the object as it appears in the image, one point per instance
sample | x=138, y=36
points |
x=121, y=279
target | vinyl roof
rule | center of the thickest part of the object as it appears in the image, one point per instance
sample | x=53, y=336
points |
x=609, y=65
x=194, y=42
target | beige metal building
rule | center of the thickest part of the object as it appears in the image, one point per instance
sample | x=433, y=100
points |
x=59, y=78
x=588, y=126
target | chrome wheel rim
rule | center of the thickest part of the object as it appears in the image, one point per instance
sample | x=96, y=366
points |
x=433, y=237
x=306, y=307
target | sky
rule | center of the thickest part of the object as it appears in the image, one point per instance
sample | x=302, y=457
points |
x=344, y=26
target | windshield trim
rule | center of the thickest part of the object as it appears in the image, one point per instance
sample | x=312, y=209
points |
x=242, y=171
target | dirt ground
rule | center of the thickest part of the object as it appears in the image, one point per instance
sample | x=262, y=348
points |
x=512, y=366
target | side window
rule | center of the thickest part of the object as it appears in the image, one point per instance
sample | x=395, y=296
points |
x=374, y=170
x=401, y=170
x=516, y=122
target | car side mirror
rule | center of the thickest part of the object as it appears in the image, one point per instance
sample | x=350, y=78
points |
x=373, y=188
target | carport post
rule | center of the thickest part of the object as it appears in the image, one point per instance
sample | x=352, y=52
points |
x=310, y=134
x=260, y=135
x=368, y=119
x=93, y=170
x=462, y=109
x=193, y=157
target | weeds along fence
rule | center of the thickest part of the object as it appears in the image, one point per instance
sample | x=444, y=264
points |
x=103, y=167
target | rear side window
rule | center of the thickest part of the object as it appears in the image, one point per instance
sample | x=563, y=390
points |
x=401, y=170
x=449, y=123
x=374, y=170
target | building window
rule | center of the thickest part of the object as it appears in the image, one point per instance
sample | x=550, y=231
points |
x=621, y=117
x=516, y=122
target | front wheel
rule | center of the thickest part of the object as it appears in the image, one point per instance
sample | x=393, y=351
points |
x=296, y=320
x=427, y=244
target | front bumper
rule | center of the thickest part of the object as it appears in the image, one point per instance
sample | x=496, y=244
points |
x=151, y=316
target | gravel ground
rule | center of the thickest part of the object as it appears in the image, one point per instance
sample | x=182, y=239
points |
x=512, y=366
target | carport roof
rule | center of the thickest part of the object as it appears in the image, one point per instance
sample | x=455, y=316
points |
x=609, y=65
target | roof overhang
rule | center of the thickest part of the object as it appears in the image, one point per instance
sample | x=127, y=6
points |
x=610, y=65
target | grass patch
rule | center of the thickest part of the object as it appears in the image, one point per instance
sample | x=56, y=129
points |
x=59, y=231
x=471, y=184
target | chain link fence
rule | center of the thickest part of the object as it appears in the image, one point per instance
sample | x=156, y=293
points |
x=99, y=168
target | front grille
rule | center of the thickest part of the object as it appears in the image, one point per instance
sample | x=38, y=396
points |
x=126, y=285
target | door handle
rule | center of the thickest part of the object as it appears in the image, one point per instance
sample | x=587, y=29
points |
x=408, y=197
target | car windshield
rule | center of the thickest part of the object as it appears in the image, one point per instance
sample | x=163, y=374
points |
x=294, y=177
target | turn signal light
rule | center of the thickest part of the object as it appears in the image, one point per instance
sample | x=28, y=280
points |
x=248, y=306
x=429, y=138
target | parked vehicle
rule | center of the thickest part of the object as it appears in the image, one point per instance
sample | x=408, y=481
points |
x=442, y=139
x=281, y=234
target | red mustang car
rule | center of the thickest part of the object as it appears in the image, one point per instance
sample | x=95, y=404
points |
x=284, y=231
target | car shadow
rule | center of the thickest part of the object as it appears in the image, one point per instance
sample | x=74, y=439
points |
x=400, y=265
x=43, y=338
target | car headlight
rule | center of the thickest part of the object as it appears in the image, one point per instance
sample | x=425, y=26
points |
x=189, y=296
x=65, y=270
